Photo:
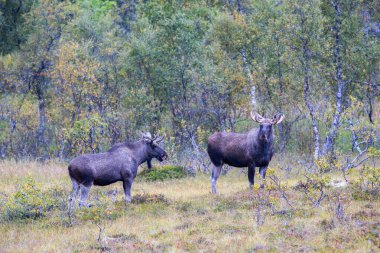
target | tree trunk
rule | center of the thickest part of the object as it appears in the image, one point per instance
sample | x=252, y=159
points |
x=42, y=82
x=3, y=152
x=333, y=131
x=198, y=153
x=279, y=68
x=354, y=137
x=309, y=104
x=369, y=90
x=281, y=88
x=41, y=139
x=247, y=70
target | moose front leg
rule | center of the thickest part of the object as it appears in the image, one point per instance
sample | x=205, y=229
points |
x=127, y=184
x=263, y=172
x=149, y=163
x=251, y=175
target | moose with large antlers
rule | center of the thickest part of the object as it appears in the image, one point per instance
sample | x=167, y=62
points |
x=252, y=149
x=120, y=163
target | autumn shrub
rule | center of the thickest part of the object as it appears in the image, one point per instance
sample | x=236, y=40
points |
x=367, y=186
x=29, y=202
x=323, y=164
x=163, y=173
x=315, y=187
x=100, y=212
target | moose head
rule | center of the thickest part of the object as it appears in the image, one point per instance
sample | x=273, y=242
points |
x=265, y=130
x=152, y=146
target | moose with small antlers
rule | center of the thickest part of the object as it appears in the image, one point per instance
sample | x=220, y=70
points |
x=120, y=163
x=252, y=149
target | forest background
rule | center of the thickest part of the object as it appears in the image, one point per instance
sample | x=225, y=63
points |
x=78, y=76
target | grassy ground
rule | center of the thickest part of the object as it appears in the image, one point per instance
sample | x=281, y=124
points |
x=181, y=215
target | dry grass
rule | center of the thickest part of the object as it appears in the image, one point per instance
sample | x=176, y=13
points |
x=182, y=215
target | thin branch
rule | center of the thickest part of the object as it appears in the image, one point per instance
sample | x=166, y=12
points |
x=276, y=181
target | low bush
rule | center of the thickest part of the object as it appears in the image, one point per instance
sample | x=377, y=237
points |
x=29, y=202
x=149, y=198
x=100, y=212
x=163, y=173
x=367, y=186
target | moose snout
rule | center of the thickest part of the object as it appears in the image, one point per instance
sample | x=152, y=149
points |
x=263, y=137
x=162, y=157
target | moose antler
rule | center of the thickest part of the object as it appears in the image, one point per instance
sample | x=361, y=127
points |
x=277, y=119
x=257, y=117
x=148, y=137
x=274, y=121
x=157, y=139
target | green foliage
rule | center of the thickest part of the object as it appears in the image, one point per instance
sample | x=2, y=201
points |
x=3, y=130
x=29, y=201
x=99, y=7
x=85, y=134
x=230, y=33
x=11, y=23
x=163, y=173
x=373, y=152
x=344, y=141
x=367, y=186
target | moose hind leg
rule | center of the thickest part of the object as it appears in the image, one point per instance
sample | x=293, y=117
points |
x=251, y=176
x=214, y=176
x=74, y=193
x=84, y=192
x=263, y=172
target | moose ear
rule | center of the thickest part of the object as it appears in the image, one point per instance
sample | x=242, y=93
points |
x=278, y=118
x=147, y=137
x=147, y=140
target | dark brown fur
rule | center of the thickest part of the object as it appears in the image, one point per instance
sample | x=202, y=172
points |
x=252, y=149
x=120, y=163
